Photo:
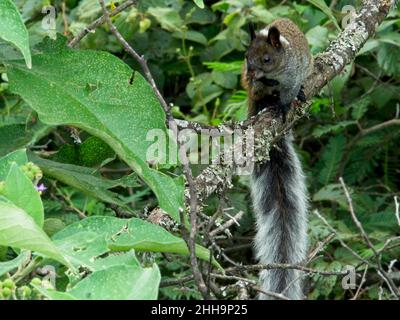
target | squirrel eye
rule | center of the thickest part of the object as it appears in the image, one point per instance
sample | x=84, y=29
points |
x=266, y=58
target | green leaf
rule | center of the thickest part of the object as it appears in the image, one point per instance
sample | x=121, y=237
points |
x=18, y=229
x=169, y=18
x=370, y=45
x=21, y=192
x=389, y=58
x=321, y=5
x=83, y=248
x=199, y=3
x=54, y=295
x=321, y=130
x=12, y=29
x=97, y=92
x=318, y=38
x=331, y=158
x=191, y=35
x=234, y=67
x=360, y=107
x=15, y=133
x=260, y=13
x=124, y=235
x=8, y=266
x=128, y=259
x=83, y=179
x=19, y=157
x=119, y=283
x=226, y=80
x=332, y=192
x=391, y=38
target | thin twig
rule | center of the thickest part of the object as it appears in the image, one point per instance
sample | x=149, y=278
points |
x=381, y=271
x=271, y=294
x=397, y=210
x=227, y=224
x=98, y=22
x=355, y=254
x=271, y=266
x=361, y=284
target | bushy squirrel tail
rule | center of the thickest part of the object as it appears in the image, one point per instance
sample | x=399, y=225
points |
x=280, y=204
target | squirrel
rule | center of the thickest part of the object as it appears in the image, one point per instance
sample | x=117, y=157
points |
x=278, y=60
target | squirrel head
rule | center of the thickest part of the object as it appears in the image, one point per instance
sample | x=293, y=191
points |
x=265, y=55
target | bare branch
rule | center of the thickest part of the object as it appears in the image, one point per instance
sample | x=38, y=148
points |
x=227, y=224
x=397, y=210
x=381, y=271
x=272, y=266
x=98, y=22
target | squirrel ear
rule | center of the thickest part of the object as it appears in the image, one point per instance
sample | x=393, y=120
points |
x=252, y=31
x=274, y=37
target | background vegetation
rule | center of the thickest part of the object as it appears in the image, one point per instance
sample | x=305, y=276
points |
x=75, y=218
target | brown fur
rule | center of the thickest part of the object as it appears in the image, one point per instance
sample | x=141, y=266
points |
x=290, y=63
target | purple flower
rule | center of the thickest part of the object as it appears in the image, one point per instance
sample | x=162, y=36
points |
x=41, y=187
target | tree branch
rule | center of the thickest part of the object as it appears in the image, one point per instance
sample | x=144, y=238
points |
x=98, y=22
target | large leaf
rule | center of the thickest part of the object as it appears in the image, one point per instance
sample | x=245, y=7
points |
x=8, y=266
x=20, y=191
x=12, y=29
x=19, y=157
x=114, y=283
x=15, y=133
x=330, y=159
x=120, y=235
x=18, y=229
x=199, y=3
x=167, y=17
x=332, y=192
x=321, y=5
x=119, y=283
x=99, y=93
x=83, y=179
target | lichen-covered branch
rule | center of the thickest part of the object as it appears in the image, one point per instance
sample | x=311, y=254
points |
x=327, y=65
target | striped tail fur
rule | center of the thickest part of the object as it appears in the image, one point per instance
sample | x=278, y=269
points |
x=280, y=204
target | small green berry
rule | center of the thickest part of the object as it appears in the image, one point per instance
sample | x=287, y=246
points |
x=6, y=293
x=36, y=281
x=25, y=291
x=144, y=25
x=8, y=283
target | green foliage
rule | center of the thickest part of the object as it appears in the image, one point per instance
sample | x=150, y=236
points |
x=107, y=110
x=19, y=190
x=8, y=266
x=12, y=29
x=331, y=158
x=18, y=229
x=108, y=233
